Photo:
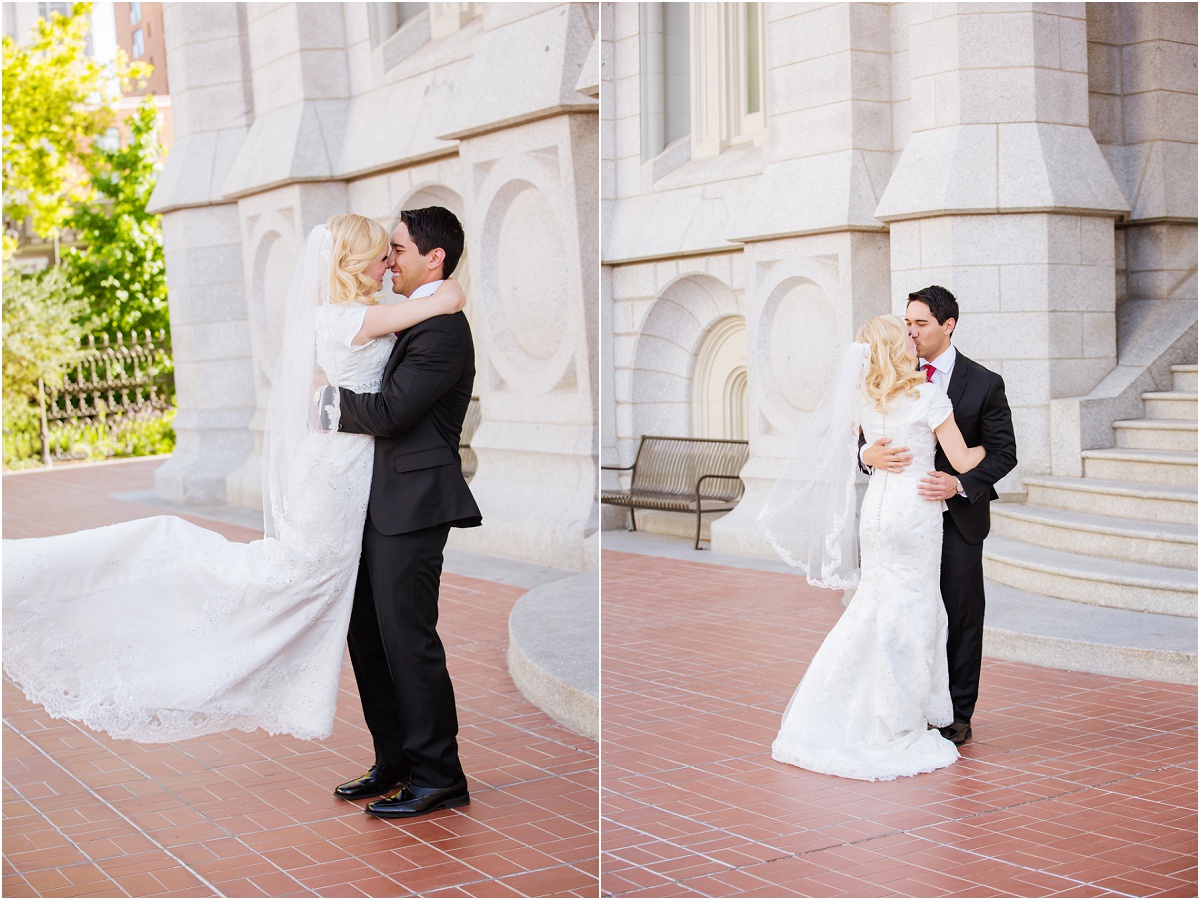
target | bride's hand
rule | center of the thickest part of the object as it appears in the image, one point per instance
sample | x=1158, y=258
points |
x=450, y=297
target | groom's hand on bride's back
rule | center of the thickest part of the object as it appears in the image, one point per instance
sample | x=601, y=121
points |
x=891, y=459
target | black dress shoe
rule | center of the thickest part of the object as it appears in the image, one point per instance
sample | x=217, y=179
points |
x=412, y=800
x=379, y=780
x=958, y=733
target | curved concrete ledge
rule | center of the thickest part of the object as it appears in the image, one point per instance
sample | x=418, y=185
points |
x=554, y=651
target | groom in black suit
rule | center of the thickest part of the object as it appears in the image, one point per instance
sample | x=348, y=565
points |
x=982, y=413
x=417, y=495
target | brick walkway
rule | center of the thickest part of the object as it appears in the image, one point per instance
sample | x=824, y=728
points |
x=1076, y=785
x=244, y=815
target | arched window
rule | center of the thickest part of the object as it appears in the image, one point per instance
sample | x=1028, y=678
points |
x=720, y=397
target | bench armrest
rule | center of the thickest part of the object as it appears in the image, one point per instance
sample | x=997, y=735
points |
x=704, y=478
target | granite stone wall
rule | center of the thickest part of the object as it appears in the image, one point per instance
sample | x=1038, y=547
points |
x=1039, y=160
x=289, y=113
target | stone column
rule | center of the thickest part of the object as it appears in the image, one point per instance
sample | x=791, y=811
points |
x=1142, y=77
x=1002, y=195
x=528, y=149
x=816, y=258
x=283, y=178
x=213, y=108
x=610, y=516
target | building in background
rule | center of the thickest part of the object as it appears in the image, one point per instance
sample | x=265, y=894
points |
x=775, y=174
x=139, y=32
x=287, y=113
x=19, y=18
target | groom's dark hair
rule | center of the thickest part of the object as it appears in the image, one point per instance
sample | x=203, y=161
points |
x=435, y=226
x=940, y=302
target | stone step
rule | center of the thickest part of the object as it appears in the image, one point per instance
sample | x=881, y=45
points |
x=1089, y=579
x=1113, y=537
x=1170, y=405
x=1147, y=466
x=1183, y=378
x=1046, y=631
x=554, y=651
x=1156, y=434
x=1127, y=499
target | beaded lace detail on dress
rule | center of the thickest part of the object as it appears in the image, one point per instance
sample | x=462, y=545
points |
x=158, y=630
x=881, y=675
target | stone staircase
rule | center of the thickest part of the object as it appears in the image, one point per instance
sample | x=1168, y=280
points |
x=1098, y=573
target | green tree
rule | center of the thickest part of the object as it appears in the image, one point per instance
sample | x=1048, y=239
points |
x=120, y=269
x=41, y=333
x=54, y=106
x=50, y=118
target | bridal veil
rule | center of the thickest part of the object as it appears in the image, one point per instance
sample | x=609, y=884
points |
x=809, y=515
x=298, y=374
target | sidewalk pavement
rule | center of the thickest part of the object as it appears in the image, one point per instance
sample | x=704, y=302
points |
x=1075, y=785
x=243, y=815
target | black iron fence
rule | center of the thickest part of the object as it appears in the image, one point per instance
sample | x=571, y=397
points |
x=112, y=403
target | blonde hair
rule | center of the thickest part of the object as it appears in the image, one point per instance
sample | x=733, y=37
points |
x=892, y=370
x=357, y=242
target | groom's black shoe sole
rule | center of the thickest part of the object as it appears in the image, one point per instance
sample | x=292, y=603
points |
x=377, y=782
x=958, y=733
x=417, y=801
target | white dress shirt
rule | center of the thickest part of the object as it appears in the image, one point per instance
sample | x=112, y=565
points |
x=426, y=289
x=943, y=366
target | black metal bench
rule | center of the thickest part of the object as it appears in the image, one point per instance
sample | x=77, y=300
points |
x=470, y=423
x=674, y=474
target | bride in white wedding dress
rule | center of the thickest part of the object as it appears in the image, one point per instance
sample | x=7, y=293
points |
x=879, y=679
x=157, y=630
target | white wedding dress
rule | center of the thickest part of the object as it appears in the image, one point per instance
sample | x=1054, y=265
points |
x=880, y=675
x=158, y=630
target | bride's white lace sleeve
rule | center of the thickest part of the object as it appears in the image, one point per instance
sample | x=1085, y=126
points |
x=337, y=326
x=938, y=406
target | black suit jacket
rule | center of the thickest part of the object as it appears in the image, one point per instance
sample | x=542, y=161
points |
x=982, y=413
x=417, y=420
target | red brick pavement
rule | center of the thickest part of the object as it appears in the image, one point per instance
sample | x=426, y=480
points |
x=1076, y=785
x=244, y=815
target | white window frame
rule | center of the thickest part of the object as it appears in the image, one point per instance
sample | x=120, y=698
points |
x=447, y=18
x=658, y=97
x=721, y=69
x=751, y=124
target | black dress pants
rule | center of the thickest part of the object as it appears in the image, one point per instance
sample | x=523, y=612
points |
x=962, y=595
x=399, y=661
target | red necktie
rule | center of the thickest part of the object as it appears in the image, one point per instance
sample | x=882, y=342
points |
x=929, y=370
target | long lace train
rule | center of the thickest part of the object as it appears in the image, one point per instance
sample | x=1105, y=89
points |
x=159, y=630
